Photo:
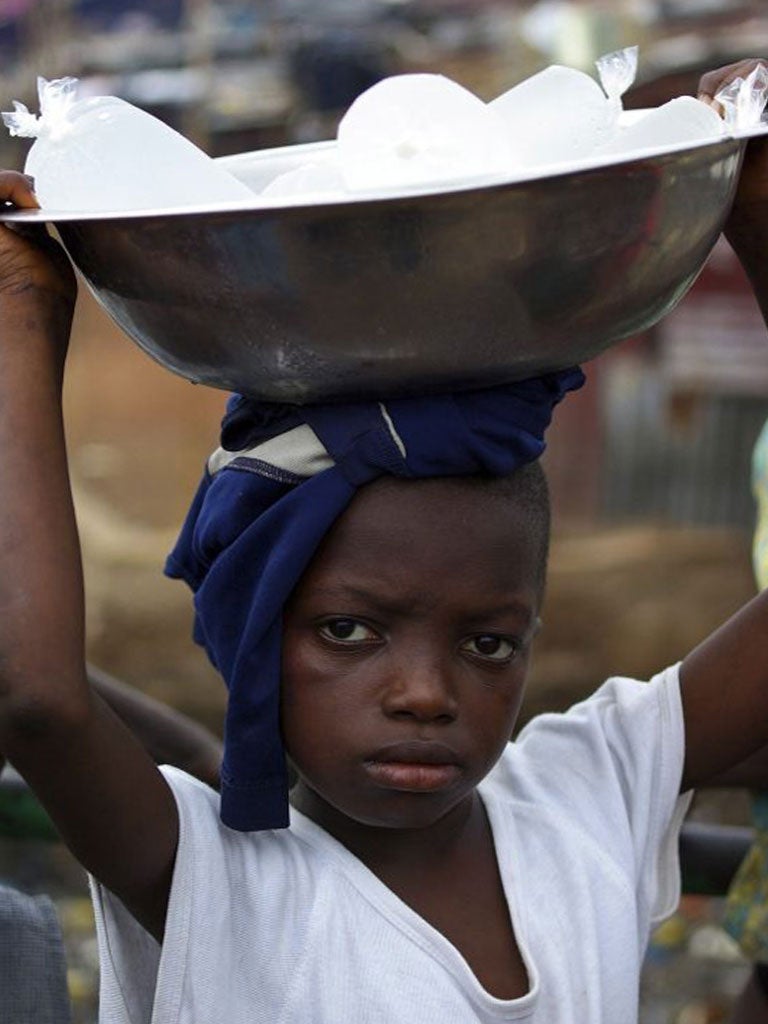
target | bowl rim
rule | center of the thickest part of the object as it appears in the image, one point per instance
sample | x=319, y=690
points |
x=480, y=183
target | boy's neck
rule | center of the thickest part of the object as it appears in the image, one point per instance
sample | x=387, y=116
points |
x=384, y=849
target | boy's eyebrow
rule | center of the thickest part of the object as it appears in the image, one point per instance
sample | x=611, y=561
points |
x=347, y=592
x=506, y=606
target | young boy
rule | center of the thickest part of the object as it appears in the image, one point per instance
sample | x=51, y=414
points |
x=431, y=869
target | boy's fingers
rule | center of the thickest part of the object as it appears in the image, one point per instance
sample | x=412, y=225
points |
x=18, y=190
x=710, y=102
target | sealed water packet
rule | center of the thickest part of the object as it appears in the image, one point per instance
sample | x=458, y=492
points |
x=617, y=71
x=743, y=100
x=102, y=153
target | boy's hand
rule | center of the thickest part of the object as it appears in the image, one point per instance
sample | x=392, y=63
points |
x=31, y=262
x=753, y=185
x=747, y=225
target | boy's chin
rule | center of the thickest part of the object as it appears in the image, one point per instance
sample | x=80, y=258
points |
x=412, y=818
x=389, y=809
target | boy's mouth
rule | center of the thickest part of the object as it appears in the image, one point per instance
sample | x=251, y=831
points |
x=414, y=767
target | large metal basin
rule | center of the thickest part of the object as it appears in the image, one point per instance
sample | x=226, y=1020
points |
x=452, y=289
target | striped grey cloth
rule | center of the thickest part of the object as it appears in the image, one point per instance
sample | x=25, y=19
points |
x=33, y=982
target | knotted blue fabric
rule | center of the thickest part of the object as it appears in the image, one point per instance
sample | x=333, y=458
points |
x=253, y=528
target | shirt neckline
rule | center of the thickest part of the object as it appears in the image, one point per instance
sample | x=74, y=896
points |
x=421, y=932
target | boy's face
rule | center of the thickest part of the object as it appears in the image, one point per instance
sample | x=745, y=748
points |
x=406, y=648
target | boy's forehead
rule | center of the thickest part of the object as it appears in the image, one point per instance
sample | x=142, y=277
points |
x=429, y=526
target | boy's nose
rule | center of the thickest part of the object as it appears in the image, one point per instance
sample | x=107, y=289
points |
x=421, y=688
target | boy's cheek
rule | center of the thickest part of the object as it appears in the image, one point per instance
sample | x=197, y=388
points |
x=511, y=701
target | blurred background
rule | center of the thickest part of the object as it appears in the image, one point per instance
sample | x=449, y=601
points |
x=649, y=464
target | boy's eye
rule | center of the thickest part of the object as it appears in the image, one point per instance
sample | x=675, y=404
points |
x=491, y=647
x=349, y=631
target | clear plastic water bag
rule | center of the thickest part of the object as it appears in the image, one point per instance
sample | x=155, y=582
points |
x=309, y=181
x=556, y=116
x=411, y=130
x=681, y=121
x=743, y=100
x=561, y=115
x=102, y=153
x=617, y=71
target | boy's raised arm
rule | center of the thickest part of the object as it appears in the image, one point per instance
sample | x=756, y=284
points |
x=105, y=795
x=724, y=683
x=725, y=679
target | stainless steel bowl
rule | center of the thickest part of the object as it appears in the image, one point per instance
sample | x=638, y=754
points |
x=466, y=287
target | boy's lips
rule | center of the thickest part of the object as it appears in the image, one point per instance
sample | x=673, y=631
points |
x=418, y=766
